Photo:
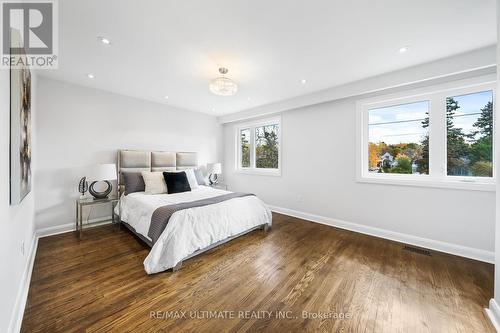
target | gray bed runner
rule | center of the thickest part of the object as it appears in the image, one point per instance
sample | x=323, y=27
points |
x=162, y=215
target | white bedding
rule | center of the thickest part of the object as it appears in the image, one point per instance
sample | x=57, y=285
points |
x=191, y=229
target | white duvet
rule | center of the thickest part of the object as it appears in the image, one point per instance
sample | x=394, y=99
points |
x=191, y=229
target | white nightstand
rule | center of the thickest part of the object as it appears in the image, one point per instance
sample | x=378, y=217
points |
x=219, y=186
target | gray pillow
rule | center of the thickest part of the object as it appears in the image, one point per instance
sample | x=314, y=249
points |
x=199, y=177
x=133, y=182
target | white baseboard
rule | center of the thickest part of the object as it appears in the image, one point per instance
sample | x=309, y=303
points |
x=62, y=228
x=494, y=314
x=22, y=293
x=459, y=250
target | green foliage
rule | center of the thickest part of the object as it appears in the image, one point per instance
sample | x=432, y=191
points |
x=473, y=158
x=482, y=169
x=266, y=151
x=404, y=165
x=457, y=148
x=245, y=151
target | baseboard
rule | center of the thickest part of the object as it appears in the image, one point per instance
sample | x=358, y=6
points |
x=494, y=314
x=22, y=294
x=459, y=250
x=63, y=228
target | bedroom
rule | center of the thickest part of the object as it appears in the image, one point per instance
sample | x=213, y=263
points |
x=272, y=166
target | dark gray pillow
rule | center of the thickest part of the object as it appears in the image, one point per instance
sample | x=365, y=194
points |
x=199, y=177
x=133, y=182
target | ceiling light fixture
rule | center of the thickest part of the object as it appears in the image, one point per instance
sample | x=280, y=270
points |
x=91, y=76
x=104, y=40
x=166, y=97
x=222, y=85
x=303, y=81
x=404, y=49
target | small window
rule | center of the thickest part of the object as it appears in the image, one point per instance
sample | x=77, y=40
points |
x=259, y=147
x=245, y=148
x=398, y=139
x=469, y=139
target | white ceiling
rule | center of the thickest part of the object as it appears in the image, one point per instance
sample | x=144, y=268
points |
x=174, y=48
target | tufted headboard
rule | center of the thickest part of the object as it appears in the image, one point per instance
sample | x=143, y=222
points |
x=143, y=160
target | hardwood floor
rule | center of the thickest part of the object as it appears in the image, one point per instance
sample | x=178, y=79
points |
x=99, y=285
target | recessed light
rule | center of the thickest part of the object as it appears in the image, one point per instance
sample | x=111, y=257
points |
x=91, y=76
x=104, y=40
x=213, y=109
x=249, y=98
x=303, y=81
x=166, y=97
x=404, y=49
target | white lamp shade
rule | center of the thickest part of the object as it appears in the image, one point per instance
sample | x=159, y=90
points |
x=103, y=172
x=214, y=168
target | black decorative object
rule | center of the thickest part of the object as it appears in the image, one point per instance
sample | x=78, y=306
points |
x=83, y=186
x=213, y=179
x=100, y=195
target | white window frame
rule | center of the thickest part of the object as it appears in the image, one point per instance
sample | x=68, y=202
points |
x=251, y=126
x=436, y=95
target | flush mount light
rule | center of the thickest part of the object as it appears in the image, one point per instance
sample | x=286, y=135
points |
x=222, y=85
x=91, y=76
x=303, y=81
x=104, y=40
x=404, y=49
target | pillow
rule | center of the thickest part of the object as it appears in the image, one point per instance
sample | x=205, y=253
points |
x=199, y=177
x=193, y=183
x=155, y=184
x=177, y=182
x=133, y=182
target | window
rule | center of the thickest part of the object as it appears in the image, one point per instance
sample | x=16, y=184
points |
x=469, y=138
x=439, y=136
x=259, y=147
x=399, y=139
x=245, y=148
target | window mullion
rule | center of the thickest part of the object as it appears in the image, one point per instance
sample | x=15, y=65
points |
x=252, y=146
x=437, y=136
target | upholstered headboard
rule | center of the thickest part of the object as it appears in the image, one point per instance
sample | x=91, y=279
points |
x=143, y=160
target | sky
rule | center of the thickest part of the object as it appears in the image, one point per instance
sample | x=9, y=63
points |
x=403, y=123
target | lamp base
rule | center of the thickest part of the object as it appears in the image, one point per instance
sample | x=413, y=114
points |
x=213, y=179
x=100, y=195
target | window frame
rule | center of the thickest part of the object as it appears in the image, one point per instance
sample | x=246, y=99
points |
x=436, y=95
x=252, y=126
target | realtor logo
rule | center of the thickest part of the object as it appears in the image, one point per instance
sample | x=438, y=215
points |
x=29, y=35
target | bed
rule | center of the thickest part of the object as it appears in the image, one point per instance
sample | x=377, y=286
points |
x=189, y=231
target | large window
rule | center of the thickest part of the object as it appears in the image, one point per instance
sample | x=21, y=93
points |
x=399, y=139
x=258, y=149
x=441, y=136
x=469, y=137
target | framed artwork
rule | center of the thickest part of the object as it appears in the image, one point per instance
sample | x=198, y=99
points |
x=20, y=129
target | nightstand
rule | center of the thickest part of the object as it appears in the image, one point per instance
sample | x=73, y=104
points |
x=80, y=203
x=219, y=186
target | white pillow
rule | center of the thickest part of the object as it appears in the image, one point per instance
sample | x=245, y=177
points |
x=193, y=183
x=154, y=181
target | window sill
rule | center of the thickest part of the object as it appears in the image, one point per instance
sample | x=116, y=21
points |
x=261, y=172
x=457, y=184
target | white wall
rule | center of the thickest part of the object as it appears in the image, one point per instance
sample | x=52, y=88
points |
x=319, y=164
x=497, y=154
x=79, y=126
x=16, y=222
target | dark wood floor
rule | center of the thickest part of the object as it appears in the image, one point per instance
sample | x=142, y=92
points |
x=99, y=285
